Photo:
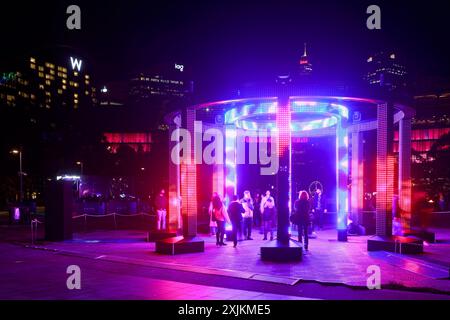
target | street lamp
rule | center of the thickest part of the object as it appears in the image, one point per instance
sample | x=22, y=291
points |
x=19, y=152
x=81, y=167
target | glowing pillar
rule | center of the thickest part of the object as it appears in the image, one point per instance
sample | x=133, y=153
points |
x=341, y=178
x=404, y=172
x=230, y=162
x=283, y=177
x=385, y=170
x=189, y=183
x=218, y=178
x=357, y=176
x=174, y=217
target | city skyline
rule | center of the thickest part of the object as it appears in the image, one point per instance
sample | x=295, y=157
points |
x=251, y=43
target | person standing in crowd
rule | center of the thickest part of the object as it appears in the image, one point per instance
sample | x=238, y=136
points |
x=269, y=218
x=235, y=210
x=264, y=200
x=318, y=210
x=257, y=211
x=301, y=216
x=161, y=210
x=212, y=218
x=221, y=217
x=247, y=203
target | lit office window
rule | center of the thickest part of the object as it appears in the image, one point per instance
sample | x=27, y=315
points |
x=75, y=73
x=48, y=93
x=64, y=87
x=33, y=60
x=86, y=76
x=40, y=68
x=75, y=95
x=41, y=86
x=32, y=66
x=60, y=91
x=50, y=65
x=86, y=82
x=41, y=74
x=52, y=72
x=47, y=82
x=64, y=81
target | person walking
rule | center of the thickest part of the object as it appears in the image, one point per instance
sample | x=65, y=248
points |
x=161, y=210
x=301, y=217
x=269, y=218
x=247, y=204
x=221, y=217
x=235, y=210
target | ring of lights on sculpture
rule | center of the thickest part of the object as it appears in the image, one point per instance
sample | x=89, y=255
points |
x=306, y=115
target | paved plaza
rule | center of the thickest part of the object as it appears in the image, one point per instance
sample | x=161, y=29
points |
x=112, y=259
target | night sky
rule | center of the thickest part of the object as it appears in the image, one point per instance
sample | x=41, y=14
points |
x=225, y=43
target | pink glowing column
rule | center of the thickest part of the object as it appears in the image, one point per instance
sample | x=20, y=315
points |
x=188, y=170
x=283, y=177
x=357, y=190
x=404, y=172
x=385, y=170
x=174, y=214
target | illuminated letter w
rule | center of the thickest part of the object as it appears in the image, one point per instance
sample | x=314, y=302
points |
x=76, y=63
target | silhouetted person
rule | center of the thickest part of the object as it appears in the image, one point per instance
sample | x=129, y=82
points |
x=161, y=210
x=247, y=203
x=235, y=211
x=269, y=217
x=221, y=217
x=318, y=210
x=212, y=219
x=301, y=216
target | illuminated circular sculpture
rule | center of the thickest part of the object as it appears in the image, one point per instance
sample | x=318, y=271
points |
x=279, y=120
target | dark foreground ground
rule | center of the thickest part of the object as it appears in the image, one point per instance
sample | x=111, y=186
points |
x=121, y=265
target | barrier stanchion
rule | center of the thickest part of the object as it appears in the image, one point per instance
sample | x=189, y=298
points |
x=34, y=229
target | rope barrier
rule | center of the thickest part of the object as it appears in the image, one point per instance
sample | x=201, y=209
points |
x=114, y=214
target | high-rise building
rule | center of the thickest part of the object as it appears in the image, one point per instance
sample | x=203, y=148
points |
x=165, y=83
x=305, y=67
x=60, y=80
x=384, y=70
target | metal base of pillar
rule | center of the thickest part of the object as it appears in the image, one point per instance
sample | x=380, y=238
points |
x=156, y=235
x=395, y=244
x=282, y=251
x=342, y=235
x=179, y=245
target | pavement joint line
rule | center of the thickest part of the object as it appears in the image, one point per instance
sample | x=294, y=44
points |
x=229, y=273
x=175, y=266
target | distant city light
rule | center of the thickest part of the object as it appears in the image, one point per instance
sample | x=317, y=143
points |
x=104, y=89
x=68, y=177
x=179, y=67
